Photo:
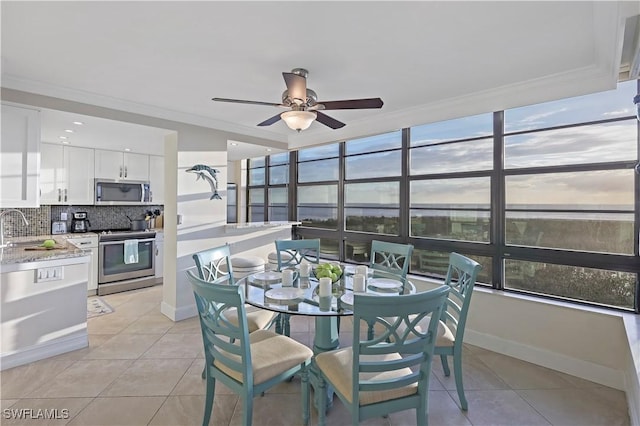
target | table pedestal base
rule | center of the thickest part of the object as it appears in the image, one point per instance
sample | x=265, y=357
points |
x=326, y=339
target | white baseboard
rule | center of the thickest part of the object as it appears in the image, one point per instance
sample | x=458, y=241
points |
x=576, y=367
x=632, y=389
x=179, y=314
x=44, y=350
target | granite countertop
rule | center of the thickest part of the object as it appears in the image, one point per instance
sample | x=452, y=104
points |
x=13, y=255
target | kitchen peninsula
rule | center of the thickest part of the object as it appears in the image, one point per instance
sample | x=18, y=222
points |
x=44, y=300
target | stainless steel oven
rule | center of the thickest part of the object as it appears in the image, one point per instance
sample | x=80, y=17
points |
x=114, y=274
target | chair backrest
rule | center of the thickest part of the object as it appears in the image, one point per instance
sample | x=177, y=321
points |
x=299, y=250
x=225, y=332
x=461, y=277
x=401, y=343
x=214, y=265
x=391, y=257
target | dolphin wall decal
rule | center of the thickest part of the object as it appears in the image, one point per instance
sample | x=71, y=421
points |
x=209, y=174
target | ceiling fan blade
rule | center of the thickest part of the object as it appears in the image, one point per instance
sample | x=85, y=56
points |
x=240, y=101
x=329, y=121
x=296, y=85
x=270, y=121
x=353, y=104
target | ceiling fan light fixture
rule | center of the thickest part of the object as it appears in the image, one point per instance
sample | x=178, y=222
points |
x=298, y=120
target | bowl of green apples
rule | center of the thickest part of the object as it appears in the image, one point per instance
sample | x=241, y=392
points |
x=328, y=270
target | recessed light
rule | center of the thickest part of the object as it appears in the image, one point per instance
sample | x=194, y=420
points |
x=65, y=142
x=127, y=149
x=234, y=144
x=68, y=130
x=268, y=149
x=62, y=137
x=78, y=123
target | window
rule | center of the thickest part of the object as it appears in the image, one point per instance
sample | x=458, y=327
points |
x=268, y=188
x=318, y=173
x=570, y=186
x=544, y=197
x=444, y=201
x=371, y=201
x=232, y=203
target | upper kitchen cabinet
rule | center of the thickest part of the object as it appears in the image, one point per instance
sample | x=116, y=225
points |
x=20, y=149
x=66, y=174
x=156, y=178
x=121, y=165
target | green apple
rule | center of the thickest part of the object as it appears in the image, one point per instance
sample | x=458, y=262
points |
x=49, y=244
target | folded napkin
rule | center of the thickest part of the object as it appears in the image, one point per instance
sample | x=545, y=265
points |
x=130, y=251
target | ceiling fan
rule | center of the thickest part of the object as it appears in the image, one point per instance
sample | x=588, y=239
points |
x=304, y=106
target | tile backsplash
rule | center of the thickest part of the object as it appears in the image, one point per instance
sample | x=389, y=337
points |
x=100, y=217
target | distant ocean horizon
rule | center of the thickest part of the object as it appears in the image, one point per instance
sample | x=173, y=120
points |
x=466, y=212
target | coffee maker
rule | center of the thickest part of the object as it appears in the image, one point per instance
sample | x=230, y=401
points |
x=80, y=223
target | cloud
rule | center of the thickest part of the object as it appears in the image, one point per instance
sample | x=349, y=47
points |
x=534, y=118
x=625, y=111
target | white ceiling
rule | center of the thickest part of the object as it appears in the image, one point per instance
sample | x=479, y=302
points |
x=428, y=61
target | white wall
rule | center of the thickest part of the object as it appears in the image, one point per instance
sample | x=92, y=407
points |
x=586, y=342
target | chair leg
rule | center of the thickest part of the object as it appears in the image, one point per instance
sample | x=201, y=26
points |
x=247, y=406
x=422, y=413
x=322, y=402
x=208, y=403
x=304, y=376
x=286, y=325
x=278, y=322
x=445, y=365
x=457, y=369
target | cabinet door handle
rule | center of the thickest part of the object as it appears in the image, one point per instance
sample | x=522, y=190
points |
x=65, y=195
x=125, y=171
x=120, y=171
x=59, y=194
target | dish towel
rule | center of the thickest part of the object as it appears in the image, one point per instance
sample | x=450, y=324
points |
x=130, y=251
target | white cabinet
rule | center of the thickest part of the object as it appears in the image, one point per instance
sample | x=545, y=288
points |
x=121, y=165
x=20, y=156
x=159, y=256
x=89, y=241
x=156, y=178
x=66, y=174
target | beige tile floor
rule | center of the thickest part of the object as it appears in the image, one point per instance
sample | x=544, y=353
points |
x=143, y=369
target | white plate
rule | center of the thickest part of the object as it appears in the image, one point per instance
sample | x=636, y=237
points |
x=267, y=277
x=347, y=299
x=385, y=283
x=285, y=293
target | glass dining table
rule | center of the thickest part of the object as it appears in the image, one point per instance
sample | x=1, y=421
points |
x=265, y=290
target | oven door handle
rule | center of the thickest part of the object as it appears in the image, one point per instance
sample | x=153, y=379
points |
x=104, y=243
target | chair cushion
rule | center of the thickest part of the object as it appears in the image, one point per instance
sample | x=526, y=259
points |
x=272, y=354
x=273, y=256
x=337, y=367
x=445, y=336
x=247, y=262
x=256, y=318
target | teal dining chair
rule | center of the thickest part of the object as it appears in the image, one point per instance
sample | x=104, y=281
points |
x=388, y=373
x=214, y=265
x=461, y=278
x=248, y=364
x=391, y=257
x=296, y=252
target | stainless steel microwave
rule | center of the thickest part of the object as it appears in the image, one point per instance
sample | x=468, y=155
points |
x=119, y=192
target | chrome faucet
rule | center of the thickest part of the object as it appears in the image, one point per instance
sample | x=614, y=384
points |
x=2, y=215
